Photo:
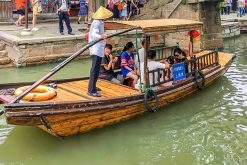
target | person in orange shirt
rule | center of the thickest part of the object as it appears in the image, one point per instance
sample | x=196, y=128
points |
x=20, y=7
x=37, y=9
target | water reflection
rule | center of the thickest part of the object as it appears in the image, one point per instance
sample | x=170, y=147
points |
x=209, y=127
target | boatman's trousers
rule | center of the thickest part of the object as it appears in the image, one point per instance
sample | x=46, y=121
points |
x=94, y=73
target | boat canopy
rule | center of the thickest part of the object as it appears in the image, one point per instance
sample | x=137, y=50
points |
x=157, y=25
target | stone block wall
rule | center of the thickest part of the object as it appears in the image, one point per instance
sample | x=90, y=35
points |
x=39, y=53
x=206, y=12
x=33, y=52
x=230, y=29
x=212, y=31
x=118, y=42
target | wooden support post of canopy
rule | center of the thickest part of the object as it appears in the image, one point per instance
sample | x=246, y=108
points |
x=191, y=44
x=146, y=76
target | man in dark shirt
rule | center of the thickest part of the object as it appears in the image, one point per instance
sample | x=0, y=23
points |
x=108, y=65
x=63, y=10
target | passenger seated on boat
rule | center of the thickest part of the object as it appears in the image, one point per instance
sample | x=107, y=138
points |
x=141, y=54
x=180, y=56
x=152, y=65
x=128, y=67
x=107, y=67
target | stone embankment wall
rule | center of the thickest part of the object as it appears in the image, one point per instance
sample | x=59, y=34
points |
x=206, y=12
x=5, y=61
x=25, y=52
x=230, y=29
x=233, y=26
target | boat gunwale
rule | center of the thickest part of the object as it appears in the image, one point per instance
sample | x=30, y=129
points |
x=105, y=101
x=189, y=83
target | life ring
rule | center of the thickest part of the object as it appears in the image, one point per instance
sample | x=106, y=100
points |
x=200, y=83
x=41, y=93
x=147, y=95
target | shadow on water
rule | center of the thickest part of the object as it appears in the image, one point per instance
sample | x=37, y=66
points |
x=208, y=127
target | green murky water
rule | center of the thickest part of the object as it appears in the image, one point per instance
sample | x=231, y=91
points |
x=209, y=127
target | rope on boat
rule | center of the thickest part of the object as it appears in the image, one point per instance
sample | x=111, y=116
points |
x=148, y=94
x=200, y=79
x=47, y=126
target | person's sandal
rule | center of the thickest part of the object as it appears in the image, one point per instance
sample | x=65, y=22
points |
x=17, y=24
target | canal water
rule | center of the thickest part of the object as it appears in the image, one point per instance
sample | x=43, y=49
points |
x=209, y=127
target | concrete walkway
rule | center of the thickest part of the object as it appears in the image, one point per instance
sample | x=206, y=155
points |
x=232, y=17
x=45, y=30
x=48, y=32
x=44, y=45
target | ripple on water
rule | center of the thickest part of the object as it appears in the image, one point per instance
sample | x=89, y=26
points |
x=209, y=127
x=4, y=130
x=242, y=127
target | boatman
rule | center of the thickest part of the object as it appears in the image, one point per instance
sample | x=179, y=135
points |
x=97, y=51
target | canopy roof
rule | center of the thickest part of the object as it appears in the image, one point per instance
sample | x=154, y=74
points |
x=157, y=25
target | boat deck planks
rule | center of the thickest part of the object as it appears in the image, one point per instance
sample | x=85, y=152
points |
x=77, y=90
x=225, y=58
x=63, y=95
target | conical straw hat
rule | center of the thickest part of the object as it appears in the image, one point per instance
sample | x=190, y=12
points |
x=102, y=13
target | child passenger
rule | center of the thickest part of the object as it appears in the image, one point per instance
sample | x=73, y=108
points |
x=124, y=12
x=107, y=67
x=128, y=67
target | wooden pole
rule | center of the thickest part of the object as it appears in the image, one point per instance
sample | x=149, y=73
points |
x=26, y=14
x=191, y=44
x=65, y=62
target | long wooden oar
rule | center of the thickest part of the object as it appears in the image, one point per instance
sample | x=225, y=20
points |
x=65, y=62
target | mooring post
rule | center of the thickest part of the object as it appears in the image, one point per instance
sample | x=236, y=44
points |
x=26, y=14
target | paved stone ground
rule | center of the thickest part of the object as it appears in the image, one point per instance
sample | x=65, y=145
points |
x=51, y=29
x=45, y=30
x=233, y=17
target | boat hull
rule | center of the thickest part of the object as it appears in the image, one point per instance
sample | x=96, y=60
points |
x=63, y=119
x=71, y=121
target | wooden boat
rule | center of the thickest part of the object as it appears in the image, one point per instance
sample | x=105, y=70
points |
x=72, y=111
